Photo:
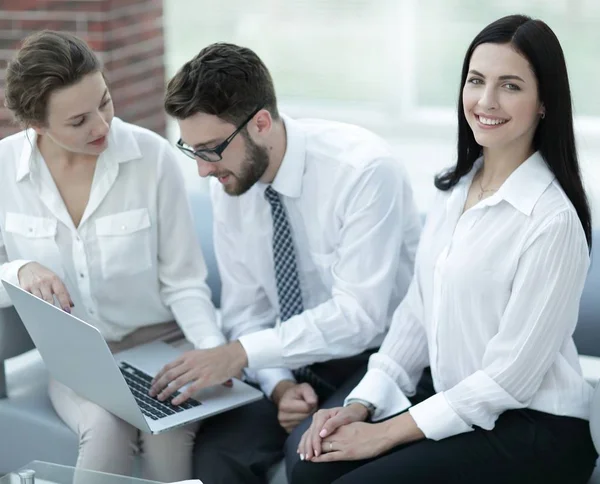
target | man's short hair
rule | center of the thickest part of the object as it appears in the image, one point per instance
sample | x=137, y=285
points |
x=225, y=80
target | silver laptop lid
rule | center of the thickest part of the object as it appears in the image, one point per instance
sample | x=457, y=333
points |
x=99, y=379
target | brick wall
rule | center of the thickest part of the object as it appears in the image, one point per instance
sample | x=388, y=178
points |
x=126, y=34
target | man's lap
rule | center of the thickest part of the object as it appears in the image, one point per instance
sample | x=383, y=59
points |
x=241, y=444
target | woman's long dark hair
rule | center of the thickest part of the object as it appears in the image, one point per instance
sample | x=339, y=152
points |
x=554, y=137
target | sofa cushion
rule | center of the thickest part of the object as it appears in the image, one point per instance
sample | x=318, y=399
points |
x=587, y=333
x=30, y=427
x=203, y=221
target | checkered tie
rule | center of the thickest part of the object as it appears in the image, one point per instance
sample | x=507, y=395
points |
x=288, y=283
x=286, y=272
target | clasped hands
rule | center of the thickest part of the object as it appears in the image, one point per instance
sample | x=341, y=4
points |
x=341, y=434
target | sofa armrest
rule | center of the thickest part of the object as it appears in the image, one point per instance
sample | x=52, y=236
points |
x=14, y=340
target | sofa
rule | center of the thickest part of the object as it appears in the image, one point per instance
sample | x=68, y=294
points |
x=31, y=430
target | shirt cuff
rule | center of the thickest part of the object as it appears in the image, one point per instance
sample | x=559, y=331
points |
x=10, y=271
x=379, y=389
x=210, y=342
x=437, y=419
x=263, y=349
x=197, y=319
x=269, y=378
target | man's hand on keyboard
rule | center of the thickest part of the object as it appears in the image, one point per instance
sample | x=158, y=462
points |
x=201, y=368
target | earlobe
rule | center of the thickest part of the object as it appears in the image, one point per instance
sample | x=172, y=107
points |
x=38, y=130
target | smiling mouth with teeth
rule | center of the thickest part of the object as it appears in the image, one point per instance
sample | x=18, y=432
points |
x=489, y=121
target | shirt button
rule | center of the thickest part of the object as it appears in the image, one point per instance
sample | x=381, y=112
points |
x=81, y=275
x=91, y=311
x=123, y=227
x=30, y=229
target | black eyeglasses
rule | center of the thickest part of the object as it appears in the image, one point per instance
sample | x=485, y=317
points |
x=214, y=154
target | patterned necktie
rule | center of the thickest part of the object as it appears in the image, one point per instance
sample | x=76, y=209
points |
x=286, y=272
x=288, y=283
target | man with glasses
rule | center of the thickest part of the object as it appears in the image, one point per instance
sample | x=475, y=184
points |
x=315, y=238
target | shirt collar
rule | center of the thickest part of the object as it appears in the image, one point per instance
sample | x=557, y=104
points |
x=524, y=187
x=27, y=158
x=122, y=144
x=288, y=180
x=122, y=147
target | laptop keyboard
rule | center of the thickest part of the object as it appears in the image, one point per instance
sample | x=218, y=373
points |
x=140, y=383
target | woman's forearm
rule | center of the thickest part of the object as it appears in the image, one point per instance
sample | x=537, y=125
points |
x=402, y=429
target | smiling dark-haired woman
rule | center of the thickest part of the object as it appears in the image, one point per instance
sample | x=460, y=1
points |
x=493, y=303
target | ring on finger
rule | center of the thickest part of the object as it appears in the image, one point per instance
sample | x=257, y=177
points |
x=330, y=446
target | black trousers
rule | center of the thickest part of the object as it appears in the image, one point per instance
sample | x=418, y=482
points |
x=239, y=446
x=525, y=446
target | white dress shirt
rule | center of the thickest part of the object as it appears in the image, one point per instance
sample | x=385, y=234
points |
x=492, y=309
x=134, y=260
x=355, y=229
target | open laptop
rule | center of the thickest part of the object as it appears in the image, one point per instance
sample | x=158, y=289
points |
x=77, y=355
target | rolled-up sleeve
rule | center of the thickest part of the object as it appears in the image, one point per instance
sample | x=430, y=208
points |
x=9, y=272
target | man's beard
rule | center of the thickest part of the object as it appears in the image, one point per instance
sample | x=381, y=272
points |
x=255, y=164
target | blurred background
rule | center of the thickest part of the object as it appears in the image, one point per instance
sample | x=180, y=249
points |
x=392, y=66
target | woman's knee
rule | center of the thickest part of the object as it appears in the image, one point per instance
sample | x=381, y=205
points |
x=104, y=428
x=168, y=456
x=176, y=440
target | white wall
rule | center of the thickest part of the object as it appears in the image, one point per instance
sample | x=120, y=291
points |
x=392, y=66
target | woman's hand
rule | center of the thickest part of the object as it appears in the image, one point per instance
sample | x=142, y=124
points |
x=45, y=284
x=324, y=423
x=358, y=440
